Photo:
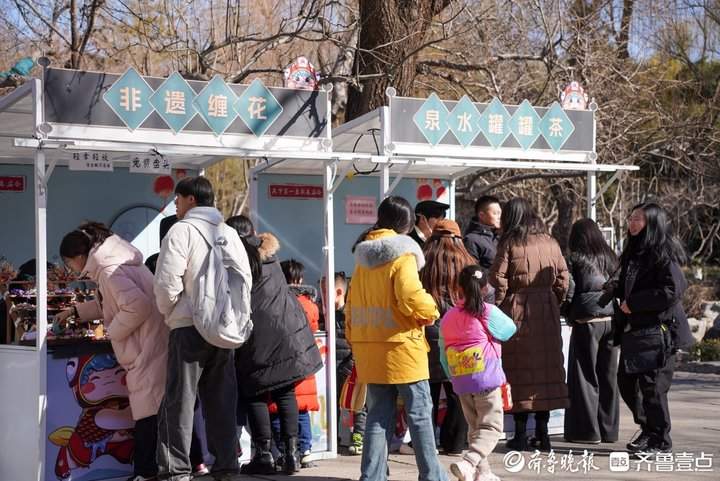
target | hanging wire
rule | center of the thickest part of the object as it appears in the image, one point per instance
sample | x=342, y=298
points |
x=377, y=148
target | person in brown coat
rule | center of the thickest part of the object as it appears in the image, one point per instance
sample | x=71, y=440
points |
x=530, y=279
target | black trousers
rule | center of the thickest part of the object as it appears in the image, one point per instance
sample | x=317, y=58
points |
x=594, y=412
x=196, y=448
x=145, y=454
x=259, y=415
x=541, y=422
x=197, y=368
x=646, y=396
x=454, y=429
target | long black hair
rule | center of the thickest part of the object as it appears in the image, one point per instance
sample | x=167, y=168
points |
x=393, y=213
x=519, y=220
x=245, y=229
x=588, y=246
x=657, y=239
x=81, y=240
x=472, y=281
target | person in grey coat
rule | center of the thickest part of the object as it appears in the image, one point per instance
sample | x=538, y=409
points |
x=593, y=415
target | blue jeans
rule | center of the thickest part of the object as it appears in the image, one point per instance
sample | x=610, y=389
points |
x=304, y=432
x=381, y=399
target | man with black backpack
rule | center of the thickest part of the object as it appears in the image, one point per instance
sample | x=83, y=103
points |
x=186, y=272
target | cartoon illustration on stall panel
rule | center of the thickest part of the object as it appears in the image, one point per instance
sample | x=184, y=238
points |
x=105, y=426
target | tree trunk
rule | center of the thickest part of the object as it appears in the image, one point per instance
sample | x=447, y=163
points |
x=391, y=33
x=624, y=35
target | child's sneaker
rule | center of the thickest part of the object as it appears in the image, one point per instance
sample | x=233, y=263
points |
x=306, y=460
x=463, y=471
x=484, y=473
x=356, y=447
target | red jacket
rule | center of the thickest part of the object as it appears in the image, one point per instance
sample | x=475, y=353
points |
x=306, y=390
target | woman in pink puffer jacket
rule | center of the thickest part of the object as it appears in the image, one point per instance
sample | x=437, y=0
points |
x=133, y=324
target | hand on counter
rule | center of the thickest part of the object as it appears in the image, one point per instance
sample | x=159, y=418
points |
x=60, y=320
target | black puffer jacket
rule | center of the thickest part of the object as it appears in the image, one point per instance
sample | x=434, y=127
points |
x=586, y=288
x=481, y=242
x=281, y=349
x=653, y=292
x=343, y=353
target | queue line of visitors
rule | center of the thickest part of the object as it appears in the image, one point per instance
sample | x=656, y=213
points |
x=400, y=298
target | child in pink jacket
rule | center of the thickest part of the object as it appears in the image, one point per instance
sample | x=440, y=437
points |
x=135, y=327
x=471, y=355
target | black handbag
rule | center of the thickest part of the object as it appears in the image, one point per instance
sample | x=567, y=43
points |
x=645, y=349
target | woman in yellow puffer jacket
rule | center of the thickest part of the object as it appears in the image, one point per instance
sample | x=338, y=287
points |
x=386, y=312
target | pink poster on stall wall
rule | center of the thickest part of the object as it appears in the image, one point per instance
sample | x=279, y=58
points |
x=360, y=209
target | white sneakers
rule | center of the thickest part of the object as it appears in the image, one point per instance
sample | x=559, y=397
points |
x=484, y=473
x=464, y=471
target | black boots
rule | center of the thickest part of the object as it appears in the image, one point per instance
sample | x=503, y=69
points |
x=290, y=458
x=541, y=440
x=262, y=462
x=519, y=440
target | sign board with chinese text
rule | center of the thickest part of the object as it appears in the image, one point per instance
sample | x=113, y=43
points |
x=295, y=191
x=360, y=209
x=90, y=161
x=12, y=183
x=150, y=164
x=133, y=108
x=490, y=130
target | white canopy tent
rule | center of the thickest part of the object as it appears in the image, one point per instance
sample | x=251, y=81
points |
x=28, y=137
x=371, y=134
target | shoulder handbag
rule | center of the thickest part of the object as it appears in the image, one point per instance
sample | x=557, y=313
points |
x=353, y=393
x=645, y=349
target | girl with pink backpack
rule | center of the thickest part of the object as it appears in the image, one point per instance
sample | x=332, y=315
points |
x=469, y=341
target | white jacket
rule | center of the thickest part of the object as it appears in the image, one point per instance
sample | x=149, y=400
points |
x=183, y=255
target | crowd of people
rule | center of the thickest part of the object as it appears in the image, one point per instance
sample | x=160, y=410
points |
x=428, y=309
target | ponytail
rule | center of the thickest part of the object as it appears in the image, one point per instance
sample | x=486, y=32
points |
x=473, y=280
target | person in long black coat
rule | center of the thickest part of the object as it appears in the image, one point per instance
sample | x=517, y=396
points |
x=594, y=412
x=650, y=324
x=280, y=352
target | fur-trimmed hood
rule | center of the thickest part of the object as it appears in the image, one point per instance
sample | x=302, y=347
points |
x=385, y=246
x=269, y=246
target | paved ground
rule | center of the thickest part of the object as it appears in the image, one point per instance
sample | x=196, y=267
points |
x=695, y=408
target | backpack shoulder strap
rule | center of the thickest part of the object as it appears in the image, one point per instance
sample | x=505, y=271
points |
x=203, y=234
